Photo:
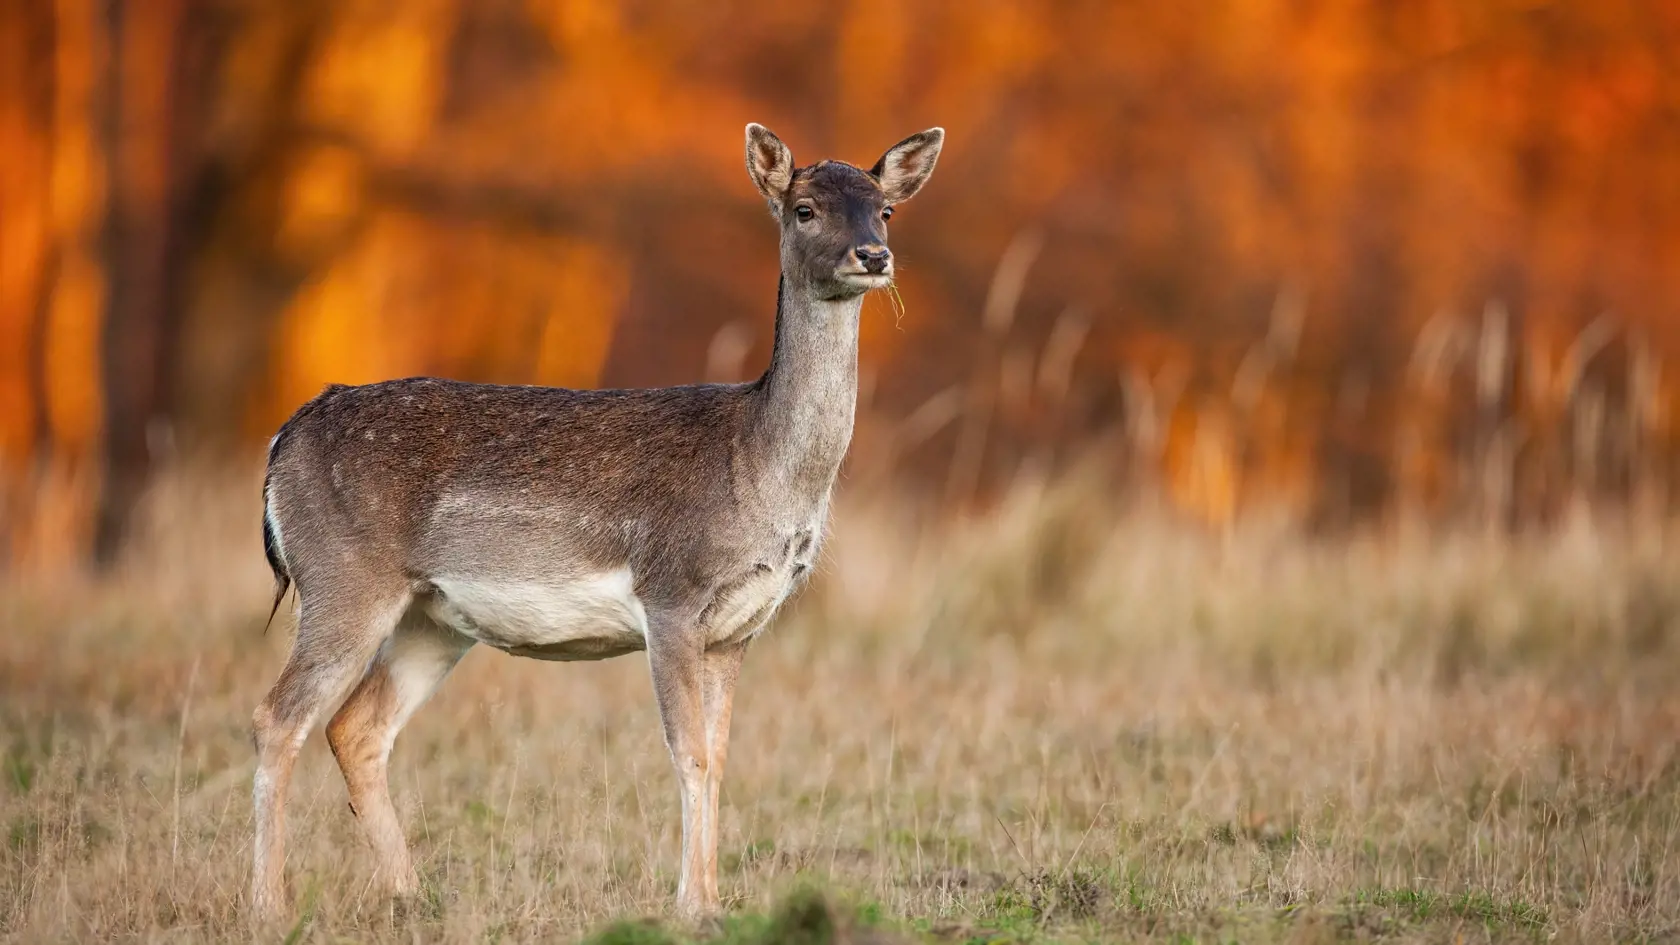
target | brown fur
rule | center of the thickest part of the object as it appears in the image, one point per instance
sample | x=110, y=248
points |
x=417, y=517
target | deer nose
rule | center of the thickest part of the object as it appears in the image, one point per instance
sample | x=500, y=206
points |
x=874, y=257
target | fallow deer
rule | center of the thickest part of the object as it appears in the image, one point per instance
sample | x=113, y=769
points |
x=419, y=517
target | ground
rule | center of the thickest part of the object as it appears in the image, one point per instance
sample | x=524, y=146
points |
x=1065, y=722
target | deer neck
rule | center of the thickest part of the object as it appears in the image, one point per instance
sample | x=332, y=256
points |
x=809, y=394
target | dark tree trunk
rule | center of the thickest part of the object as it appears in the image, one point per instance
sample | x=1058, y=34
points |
x=146, y=247
x=43, y=98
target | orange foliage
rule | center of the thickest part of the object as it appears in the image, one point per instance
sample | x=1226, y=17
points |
x=549, y=191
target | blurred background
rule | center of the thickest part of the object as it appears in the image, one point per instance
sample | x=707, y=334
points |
x=1271, y=457
x=1347, y=264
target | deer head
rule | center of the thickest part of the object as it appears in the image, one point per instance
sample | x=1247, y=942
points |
x=834, y=215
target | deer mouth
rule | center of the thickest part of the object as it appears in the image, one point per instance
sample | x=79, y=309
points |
x=864, y=279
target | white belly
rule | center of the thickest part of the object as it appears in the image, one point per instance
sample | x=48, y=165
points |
x=584, y=618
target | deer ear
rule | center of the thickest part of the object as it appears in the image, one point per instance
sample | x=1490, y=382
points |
x=769, y=164
x=907, y=165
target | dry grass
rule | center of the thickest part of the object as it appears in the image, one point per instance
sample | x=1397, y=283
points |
x=1063, y=723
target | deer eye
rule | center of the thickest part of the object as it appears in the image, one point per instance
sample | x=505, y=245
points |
x=804, y=213
x=886, y=213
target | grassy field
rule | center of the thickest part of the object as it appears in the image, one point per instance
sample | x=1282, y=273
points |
x=1064, y=723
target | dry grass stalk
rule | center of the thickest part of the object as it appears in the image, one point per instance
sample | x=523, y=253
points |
x=1151, y=400
x=1002, y=299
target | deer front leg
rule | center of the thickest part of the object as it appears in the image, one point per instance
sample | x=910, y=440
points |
x=720, y=668
x=677, y=663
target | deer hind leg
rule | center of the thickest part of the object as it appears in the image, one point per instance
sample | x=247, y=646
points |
x=337, y=634
x=404, y=674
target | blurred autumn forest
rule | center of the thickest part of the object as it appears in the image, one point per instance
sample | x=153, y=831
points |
x=1348, y=260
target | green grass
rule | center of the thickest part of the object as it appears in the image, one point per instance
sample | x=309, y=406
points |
x=805, y=917
x=1396, y=908
x=1082, y=907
